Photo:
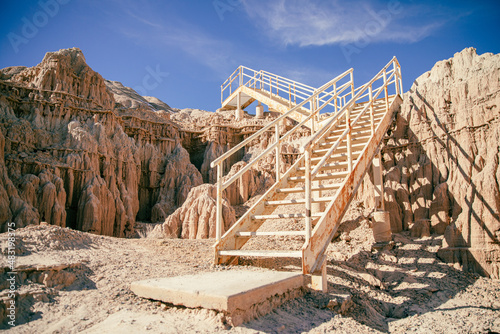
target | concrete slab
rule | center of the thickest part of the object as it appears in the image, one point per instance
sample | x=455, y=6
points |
x=241, y=295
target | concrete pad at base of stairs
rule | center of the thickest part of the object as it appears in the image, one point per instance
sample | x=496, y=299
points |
x=241, y=295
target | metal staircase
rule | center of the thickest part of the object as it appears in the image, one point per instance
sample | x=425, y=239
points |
x=317, y=189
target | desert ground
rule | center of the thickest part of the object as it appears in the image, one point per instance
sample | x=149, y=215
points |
x=76, y=282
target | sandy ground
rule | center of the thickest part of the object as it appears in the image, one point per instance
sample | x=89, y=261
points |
x=405, y=289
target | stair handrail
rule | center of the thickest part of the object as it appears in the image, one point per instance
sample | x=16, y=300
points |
x=313, y=99
x=310, y=173
x=356, y=97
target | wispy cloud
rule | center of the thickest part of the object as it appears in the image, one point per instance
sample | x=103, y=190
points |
x=318, y=23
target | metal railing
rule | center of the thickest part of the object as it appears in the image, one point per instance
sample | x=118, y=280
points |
x=327, y=96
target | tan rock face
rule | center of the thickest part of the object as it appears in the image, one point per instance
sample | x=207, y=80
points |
x=76, y=153
x=442, y=159
x=196, y=218
x=178, y=179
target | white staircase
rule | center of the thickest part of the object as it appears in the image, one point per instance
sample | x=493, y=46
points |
x=316, y=191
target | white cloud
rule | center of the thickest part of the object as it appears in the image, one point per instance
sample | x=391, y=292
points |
x=318, y=23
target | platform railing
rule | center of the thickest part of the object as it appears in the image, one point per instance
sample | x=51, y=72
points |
x=288, y=90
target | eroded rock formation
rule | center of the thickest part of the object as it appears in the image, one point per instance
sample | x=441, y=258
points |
x=78, y=151
x=196, y=219
x=441, y=160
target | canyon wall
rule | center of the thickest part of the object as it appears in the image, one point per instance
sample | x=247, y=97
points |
x=82, y=152
x=91, y=154
x=441, y=160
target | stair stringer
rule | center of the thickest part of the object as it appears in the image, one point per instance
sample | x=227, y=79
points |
x=229, y=240
x=322, y=234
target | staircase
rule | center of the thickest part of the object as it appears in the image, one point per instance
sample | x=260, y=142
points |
x=309, y=200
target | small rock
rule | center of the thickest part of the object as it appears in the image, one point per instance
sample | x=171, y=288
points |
x=346, y=305
x=332, y=304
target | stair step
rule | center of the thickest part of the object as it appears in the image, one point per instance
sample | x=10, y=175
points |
x=354, y=147
x=360, y=123
x=261, y=253
x=357, y=127
x=334, y=135
x=298, y=201
x=324, y=176
x=286, y=215
x=338, y=157
x=378, y=113
x=303, y=189
x=334, y=165
x=270, y=233
x=364, y=138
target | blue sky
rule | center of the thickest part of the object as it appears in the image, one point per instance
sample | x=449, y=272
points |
x=182, y=50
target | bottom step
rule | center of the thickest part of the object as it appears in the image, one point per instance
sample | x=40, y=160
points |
x=237, y=293
x=261, y=253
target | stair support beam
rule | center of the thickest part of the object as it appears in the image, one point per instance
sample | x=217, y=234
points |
x=277, y=151
x=349, y=139
x=319, y=281
x=378, y=182
x=218, y=223
x=308, y=184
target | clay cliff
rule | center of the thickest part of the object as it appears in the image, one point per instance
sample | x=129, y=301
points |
x=441, y=160
x=77, y=151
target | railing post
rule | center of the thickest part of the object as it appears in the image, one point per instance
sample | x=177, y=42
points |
x=278, y=152
x=372, y=120
x=348, y=139
x=352, y=85
x=290, y=95
x=385, y=92
x=308, y=221
x=241, y=76
x=294, y=93
x=400, y=81
x=218, y=225
x=221, y=94
x=396, y=78
x=313, y=111
x=335, y=93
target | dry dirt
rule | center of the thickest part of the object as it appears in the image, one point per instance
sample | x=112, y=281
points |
x=398, y=290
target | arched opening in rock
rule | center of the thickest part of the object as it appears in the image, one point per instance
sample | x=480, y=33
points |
x=197, y=153
x=194, y=144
